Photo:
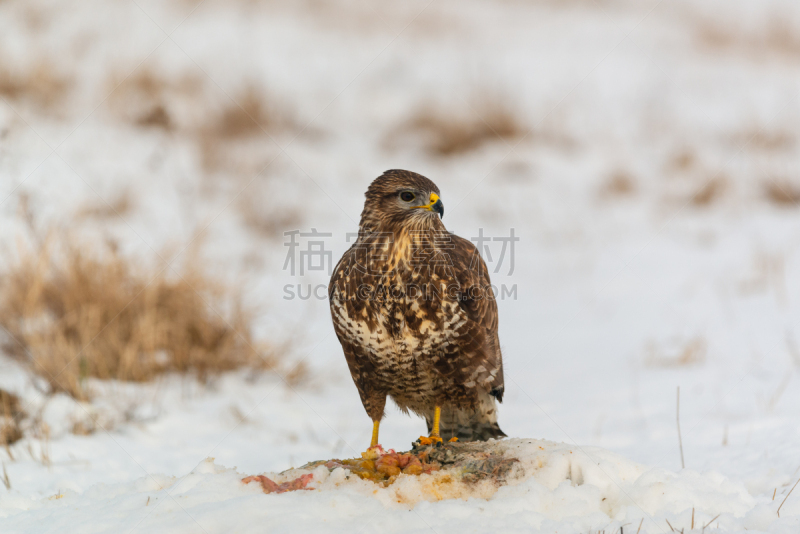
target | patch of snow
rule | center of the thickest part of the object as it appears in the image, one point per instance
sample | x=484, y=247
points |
x=553, y=486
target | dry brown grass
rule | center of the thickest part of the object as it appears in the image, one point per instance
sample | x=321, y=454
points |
x=683, y=160
x=619, y=183
x=782, y=193
x=75, y=313
x=267, y=221
x=776, y=38
x=693, y=181
x=452, y=134
x=356, y=18
x=237, y=132
x=677, y=353
x=768, y=273
x=250, y=114
x=230, y=132
x=121, y=204
x=765, y=139
x=11, y=415
x=40, y=85
x=710, y=192
x=146, y=97
x=194, y=106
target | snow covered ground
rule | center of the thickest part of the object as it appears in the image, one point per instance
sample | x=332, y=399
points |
x=554, y=488
x=653, y=186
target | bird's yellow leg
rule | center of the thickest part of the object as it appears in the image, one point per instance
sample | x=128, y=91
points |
x=437, y=416
x=434, y=437
x=375, y=426
x=374, y=451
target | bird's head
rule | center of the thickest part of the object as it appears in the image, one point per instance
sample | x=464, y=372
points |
x=402, y=198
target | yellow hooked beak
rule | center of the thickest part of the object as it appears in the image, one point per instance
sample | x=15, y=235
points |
x=434, y=204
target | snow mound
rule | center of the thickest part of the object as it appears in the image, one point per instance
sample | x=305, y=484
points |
x=544, y=486
x=560, y=481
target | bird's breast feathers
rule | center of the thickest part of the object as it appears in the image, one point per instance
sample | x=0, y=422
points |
x=403, y=313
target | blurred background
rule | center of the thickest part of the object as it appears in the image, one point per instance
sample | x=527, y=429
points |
x=164, y=166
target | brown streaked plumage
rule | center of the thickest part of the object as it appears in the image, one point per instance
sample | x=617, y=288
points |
x=413, y=309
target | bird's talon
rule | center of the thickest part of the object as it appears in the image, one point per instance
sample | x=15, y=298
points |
x=425, y=440
x=373, y=452
x=453, y=439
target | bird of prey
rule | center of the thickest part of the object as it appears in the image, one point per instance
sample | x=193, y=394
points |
x=414, y=311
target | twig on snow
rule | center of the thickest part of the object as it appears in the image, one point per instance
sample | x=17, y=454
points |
x=715, y=518
x=6, y=481
x=787, y=496
x=678, y=419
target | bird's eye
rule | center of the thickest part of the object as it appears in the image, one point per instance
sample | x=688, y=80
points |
x=405, y=196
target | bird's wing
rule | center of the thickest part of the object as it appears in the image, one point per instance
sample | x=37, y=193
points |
x=351, y=321
x=477, y=300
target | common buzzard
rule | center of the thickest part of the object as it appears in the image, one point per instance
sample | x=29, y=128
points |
x=415, y=314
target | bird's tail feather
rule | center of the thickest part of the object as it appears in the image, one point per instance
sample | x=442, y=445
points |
x=474, y=424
